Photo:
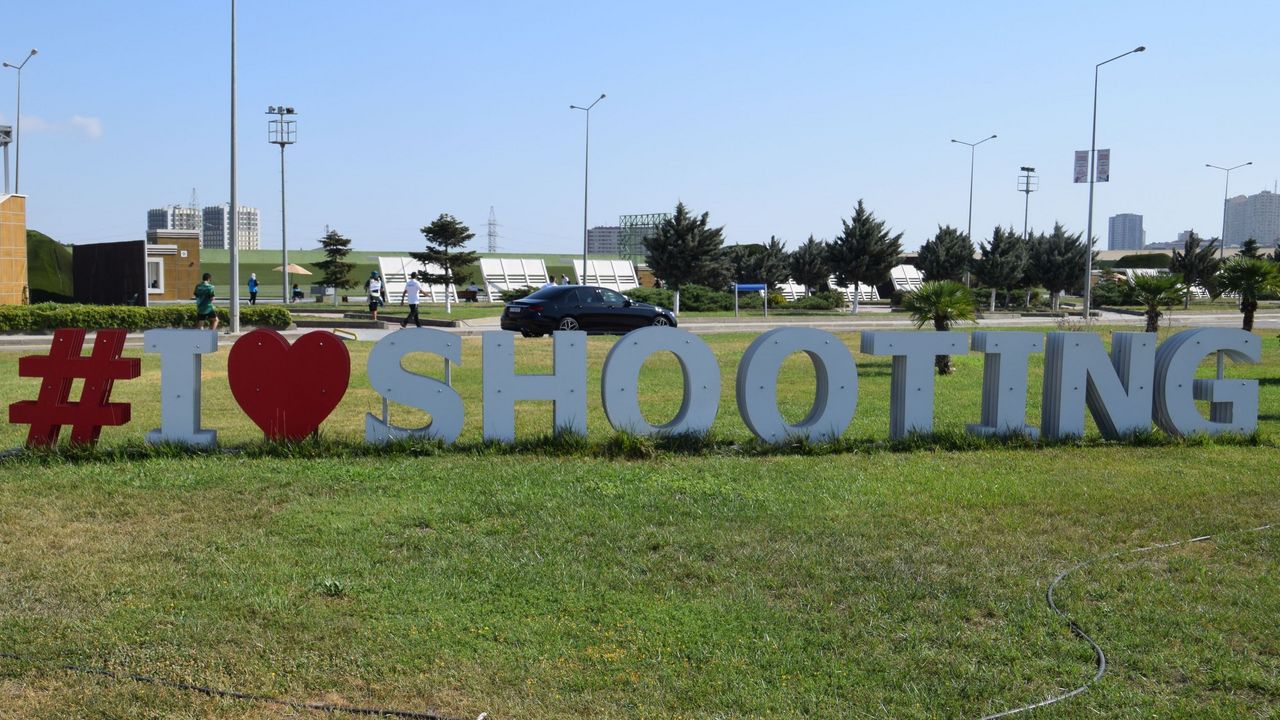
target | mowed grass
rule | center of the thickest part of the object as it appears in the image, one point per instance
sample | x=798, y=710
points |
x=563, y=584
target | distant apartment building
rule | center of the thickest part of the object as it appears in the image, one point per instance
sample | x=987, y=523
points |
x=1124, y=232
x=1253, y=216
x=217, y=221
x=1184, y=236
x=604, y=239
x=175, y=217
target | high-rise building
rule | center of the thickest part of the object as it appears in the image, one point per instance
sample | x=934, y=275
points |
x=1124, y=232
x=603, y=239
x=217, y=220
x=175, y=217
x=1253, y=216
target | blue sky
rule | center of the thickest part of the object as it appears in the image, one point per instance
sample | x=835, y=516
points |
x=773, y=117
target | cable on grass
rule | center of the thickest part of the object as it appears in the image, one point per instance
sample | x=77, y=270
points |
x=1099, y=657
x=235, y=694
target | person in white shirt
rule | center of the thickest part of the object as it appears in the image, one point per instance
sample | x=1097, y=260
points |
x=374, y=286
x=412, y=288
x=548, y=283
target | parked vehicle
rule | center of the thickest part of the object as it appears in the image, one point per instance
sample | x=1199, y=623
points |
x=581, y=307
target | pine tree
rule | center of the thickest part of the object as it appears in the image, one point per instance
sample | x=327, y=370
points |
x=1249, y=249
x=946, y=256
x=1056, y=261
x=683, y=250
x=336, y=269
x=809, y=267
x=864, y=252
x=1197, y=265
x=444, y=236
x=1003, y=262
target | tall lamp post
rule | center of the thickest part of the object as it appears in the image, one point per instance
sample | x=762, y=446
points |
x=1226, y=192
x=282, y=132
x=586, y=169
x=1093, y=155
x=973, y=147
x=1222, y=242
x=234, y=210
x=17, y=150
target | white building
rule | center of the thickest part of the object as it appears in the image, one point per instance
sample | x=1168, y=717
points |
x=175, y=217
x=217, y=223
x=1253, y=216
x=1124, y=232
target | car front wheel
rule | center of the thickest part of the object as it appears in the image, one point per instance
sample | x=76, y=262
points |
x=568, y=323
x=661, y=321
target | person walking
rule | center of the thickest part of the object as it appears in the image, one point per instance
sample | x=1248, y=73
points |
x=203, y=295
x=411, y=290
x=374, y=287
x=253, y=288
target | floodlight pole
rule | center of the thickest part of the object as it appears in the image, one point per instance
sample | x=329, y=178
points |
x=586, y=170
x=17, y=167
x=1093, y=153
x=283, y=132
x=1028, y=186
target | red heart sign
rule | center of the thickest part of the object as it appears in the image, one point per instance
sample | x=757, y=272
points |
x=288, y=391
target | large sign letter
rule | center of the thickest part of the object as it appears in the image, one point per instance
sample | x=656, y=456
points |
x=1233, y=404
x=1004, y=381
x=834, y=402
x=565, y=387
x=390, y=380
x=698, y=368
x=1118, y=389
x=911, y=384
x=180, y=352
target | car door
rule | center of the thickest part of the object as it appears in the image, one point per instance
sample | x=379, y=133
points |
x=594, y=314
x=621, y=318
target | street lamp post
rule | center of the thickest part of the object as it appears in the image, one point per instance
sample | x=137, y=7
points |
x=17, y=151
x=282, y=132
x=234, y=211
x=973, y=146
x=586, y=169
x=1222, y=241
x=1093, y=154
x=1226, y=192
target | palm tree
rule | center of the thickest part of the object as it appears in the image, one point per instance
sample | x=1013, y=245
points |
x=1155, y=292
x=943, y=302
x=1196, y=264
x=1249, y=277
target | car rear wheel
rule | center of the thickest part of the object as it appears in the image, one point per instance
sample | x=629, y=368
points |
x=568, y=323
x=661, y=321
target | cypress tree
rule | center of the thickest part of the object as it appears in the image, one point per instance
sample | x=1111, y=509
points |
x=946, y=256
x=1003, y=262
x=864, y=252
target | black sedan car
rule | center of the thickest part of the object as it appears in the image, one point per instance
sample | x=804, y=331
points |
x=581, y=307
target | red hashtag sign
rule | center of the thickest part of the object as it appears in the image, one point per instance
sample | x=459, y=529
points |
x=64, y=364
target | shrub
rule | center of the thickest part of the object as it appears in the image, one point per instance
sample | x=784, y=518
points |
x=827, y=300
x=1111, y=292
x=701, y=298
x=50, y=316
x=653, y=296
x=516, y=293
x=1159, y=261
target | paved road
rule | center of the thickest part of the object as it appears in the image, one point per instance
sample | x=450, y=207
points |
x=863, y=321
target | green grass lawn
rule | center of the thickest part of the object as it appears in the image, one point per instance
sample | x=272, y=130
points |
x=564, y=584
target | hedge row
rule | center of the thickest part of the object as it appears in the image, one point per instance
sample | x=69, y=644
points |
x=50, y=316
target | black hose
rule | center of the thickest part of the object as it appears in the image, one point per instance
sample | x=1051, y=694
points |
x=1099, y=657
x=234, y=694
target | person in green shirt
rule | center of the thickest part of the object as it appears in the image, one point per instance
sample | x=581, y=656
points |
x=204, y=303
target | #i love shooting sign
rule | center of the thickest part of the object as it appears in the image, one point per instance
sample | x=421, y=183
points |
x=289, y=390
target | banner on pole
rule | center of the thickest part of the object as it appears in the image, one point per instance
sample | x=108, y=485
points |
x=1104, y=165
x=1082, y=166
